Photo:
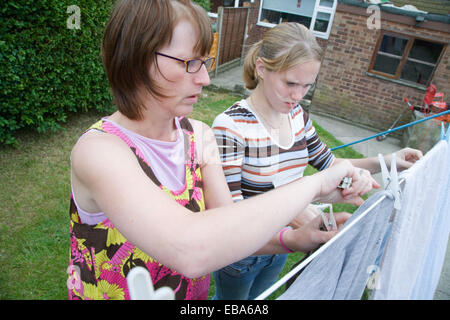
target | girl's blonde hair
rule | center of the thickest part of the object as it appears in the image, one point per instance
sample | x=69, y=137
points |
x=284, y=46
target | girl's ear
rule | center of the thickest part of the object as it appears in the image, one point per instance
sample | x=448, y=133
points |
x=259, y=68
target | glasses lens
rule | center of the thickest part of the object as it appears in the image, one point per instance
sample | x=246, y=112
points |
x=209, y=63
x=194, y=65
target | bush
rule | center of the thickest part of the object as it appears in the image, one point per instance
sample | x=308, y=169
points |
x=48, y=69
x=206, y=4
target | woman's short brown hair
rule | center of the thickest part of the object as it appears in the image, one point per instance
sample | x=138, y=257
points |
x=135, y=31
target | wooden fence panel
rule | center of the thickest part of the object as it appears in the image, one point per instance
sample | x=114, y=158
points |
x=231, y=33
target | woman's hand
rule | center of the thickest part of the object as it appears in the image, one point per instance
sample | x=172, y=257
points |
x=309, y=236
x=362, y=182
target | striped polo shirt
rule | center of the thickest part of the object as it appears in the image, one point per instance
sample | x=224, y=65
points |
x=252, y=159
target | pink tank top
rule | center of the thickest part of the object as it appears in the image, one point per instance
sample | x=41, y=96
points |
x=167, y=160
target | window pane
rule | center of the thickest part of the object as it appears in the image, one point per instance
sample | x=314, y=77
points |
x=393, y=45
x=306, y=21
x=277, y=17
x=416, y=72
x=425, y=51
x=326, y=3
x=386, y=64
x=241, y=2
x=270, y=16
x=302, y=8
x=322, y=21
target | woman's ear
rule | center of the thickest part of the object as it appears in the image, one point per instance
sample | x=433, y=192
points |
x=259, y=68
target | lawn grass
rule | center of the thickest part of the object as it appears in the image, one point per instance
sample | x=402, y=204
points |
x=34, y=203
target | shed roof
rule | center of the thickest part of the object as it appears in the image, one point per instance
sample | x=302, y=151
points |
x=441, y=7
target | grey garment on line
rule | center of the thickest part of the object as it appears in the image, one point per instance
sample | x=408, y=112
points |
x=342, y=270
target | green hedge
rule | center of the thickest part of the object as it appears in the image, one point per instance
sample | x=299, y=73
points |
x=206, y=4
x=48, y=70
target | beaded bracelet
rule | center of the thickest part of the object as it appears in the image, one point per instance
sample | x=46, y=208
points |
x=281, y=239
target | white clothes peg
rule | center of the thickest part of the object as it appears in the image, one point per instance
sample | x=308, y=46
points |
x=141, y=287
x=390, y=180
x=445, y=136
x=328, y=219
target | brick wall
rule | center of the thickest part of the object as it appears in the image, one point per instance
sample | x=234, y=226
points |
x=255, y=32
x=345, y=90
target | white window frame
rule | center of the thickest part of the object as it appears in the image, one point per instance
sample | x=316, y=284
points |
x=317, y=9
x=321, y=9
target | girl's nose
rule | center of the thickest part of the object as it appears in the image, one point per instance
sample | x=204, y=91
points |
x=298, y=93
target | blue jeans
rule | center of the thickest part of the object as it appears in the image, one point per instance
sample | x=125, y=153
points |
x=248, y=278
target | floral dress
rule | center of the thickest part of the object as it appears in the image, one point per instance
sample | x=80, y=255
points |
x=100, y=256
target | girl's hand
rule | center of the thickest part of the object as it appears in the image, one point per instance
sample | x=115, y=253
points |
x=309, y=236
x=304, y=217
x=405, y=158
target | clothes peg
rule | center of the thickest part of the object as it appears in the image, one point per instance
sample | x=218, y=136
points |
x=141, y=287
x=328, y=218
x=445, y=136
x=384, y=171
x=394, y=183
x=390, y=180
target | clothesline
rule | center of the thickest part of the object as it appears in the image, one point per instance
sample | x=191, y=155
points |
x=302, y=265
x=392, y=189
x=392, y=130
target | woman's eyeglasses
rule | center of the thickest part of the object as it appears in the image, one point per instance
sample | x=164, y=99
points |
x=193, y=65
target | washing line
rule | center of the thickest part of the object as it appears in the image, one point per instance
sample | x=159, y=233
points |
x=392, y=130
x=304, y=263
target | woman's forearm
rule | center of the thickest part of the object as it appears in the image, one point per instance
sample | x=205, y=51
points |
x=245, y=227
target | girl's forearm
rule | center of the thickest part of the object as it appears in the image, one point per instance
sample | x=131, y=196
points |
x=371, y=164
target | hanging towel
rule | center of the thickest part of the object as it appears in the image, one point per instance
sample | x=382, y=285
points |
x=432, y=263
x=413, y=257
x=342, y=270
